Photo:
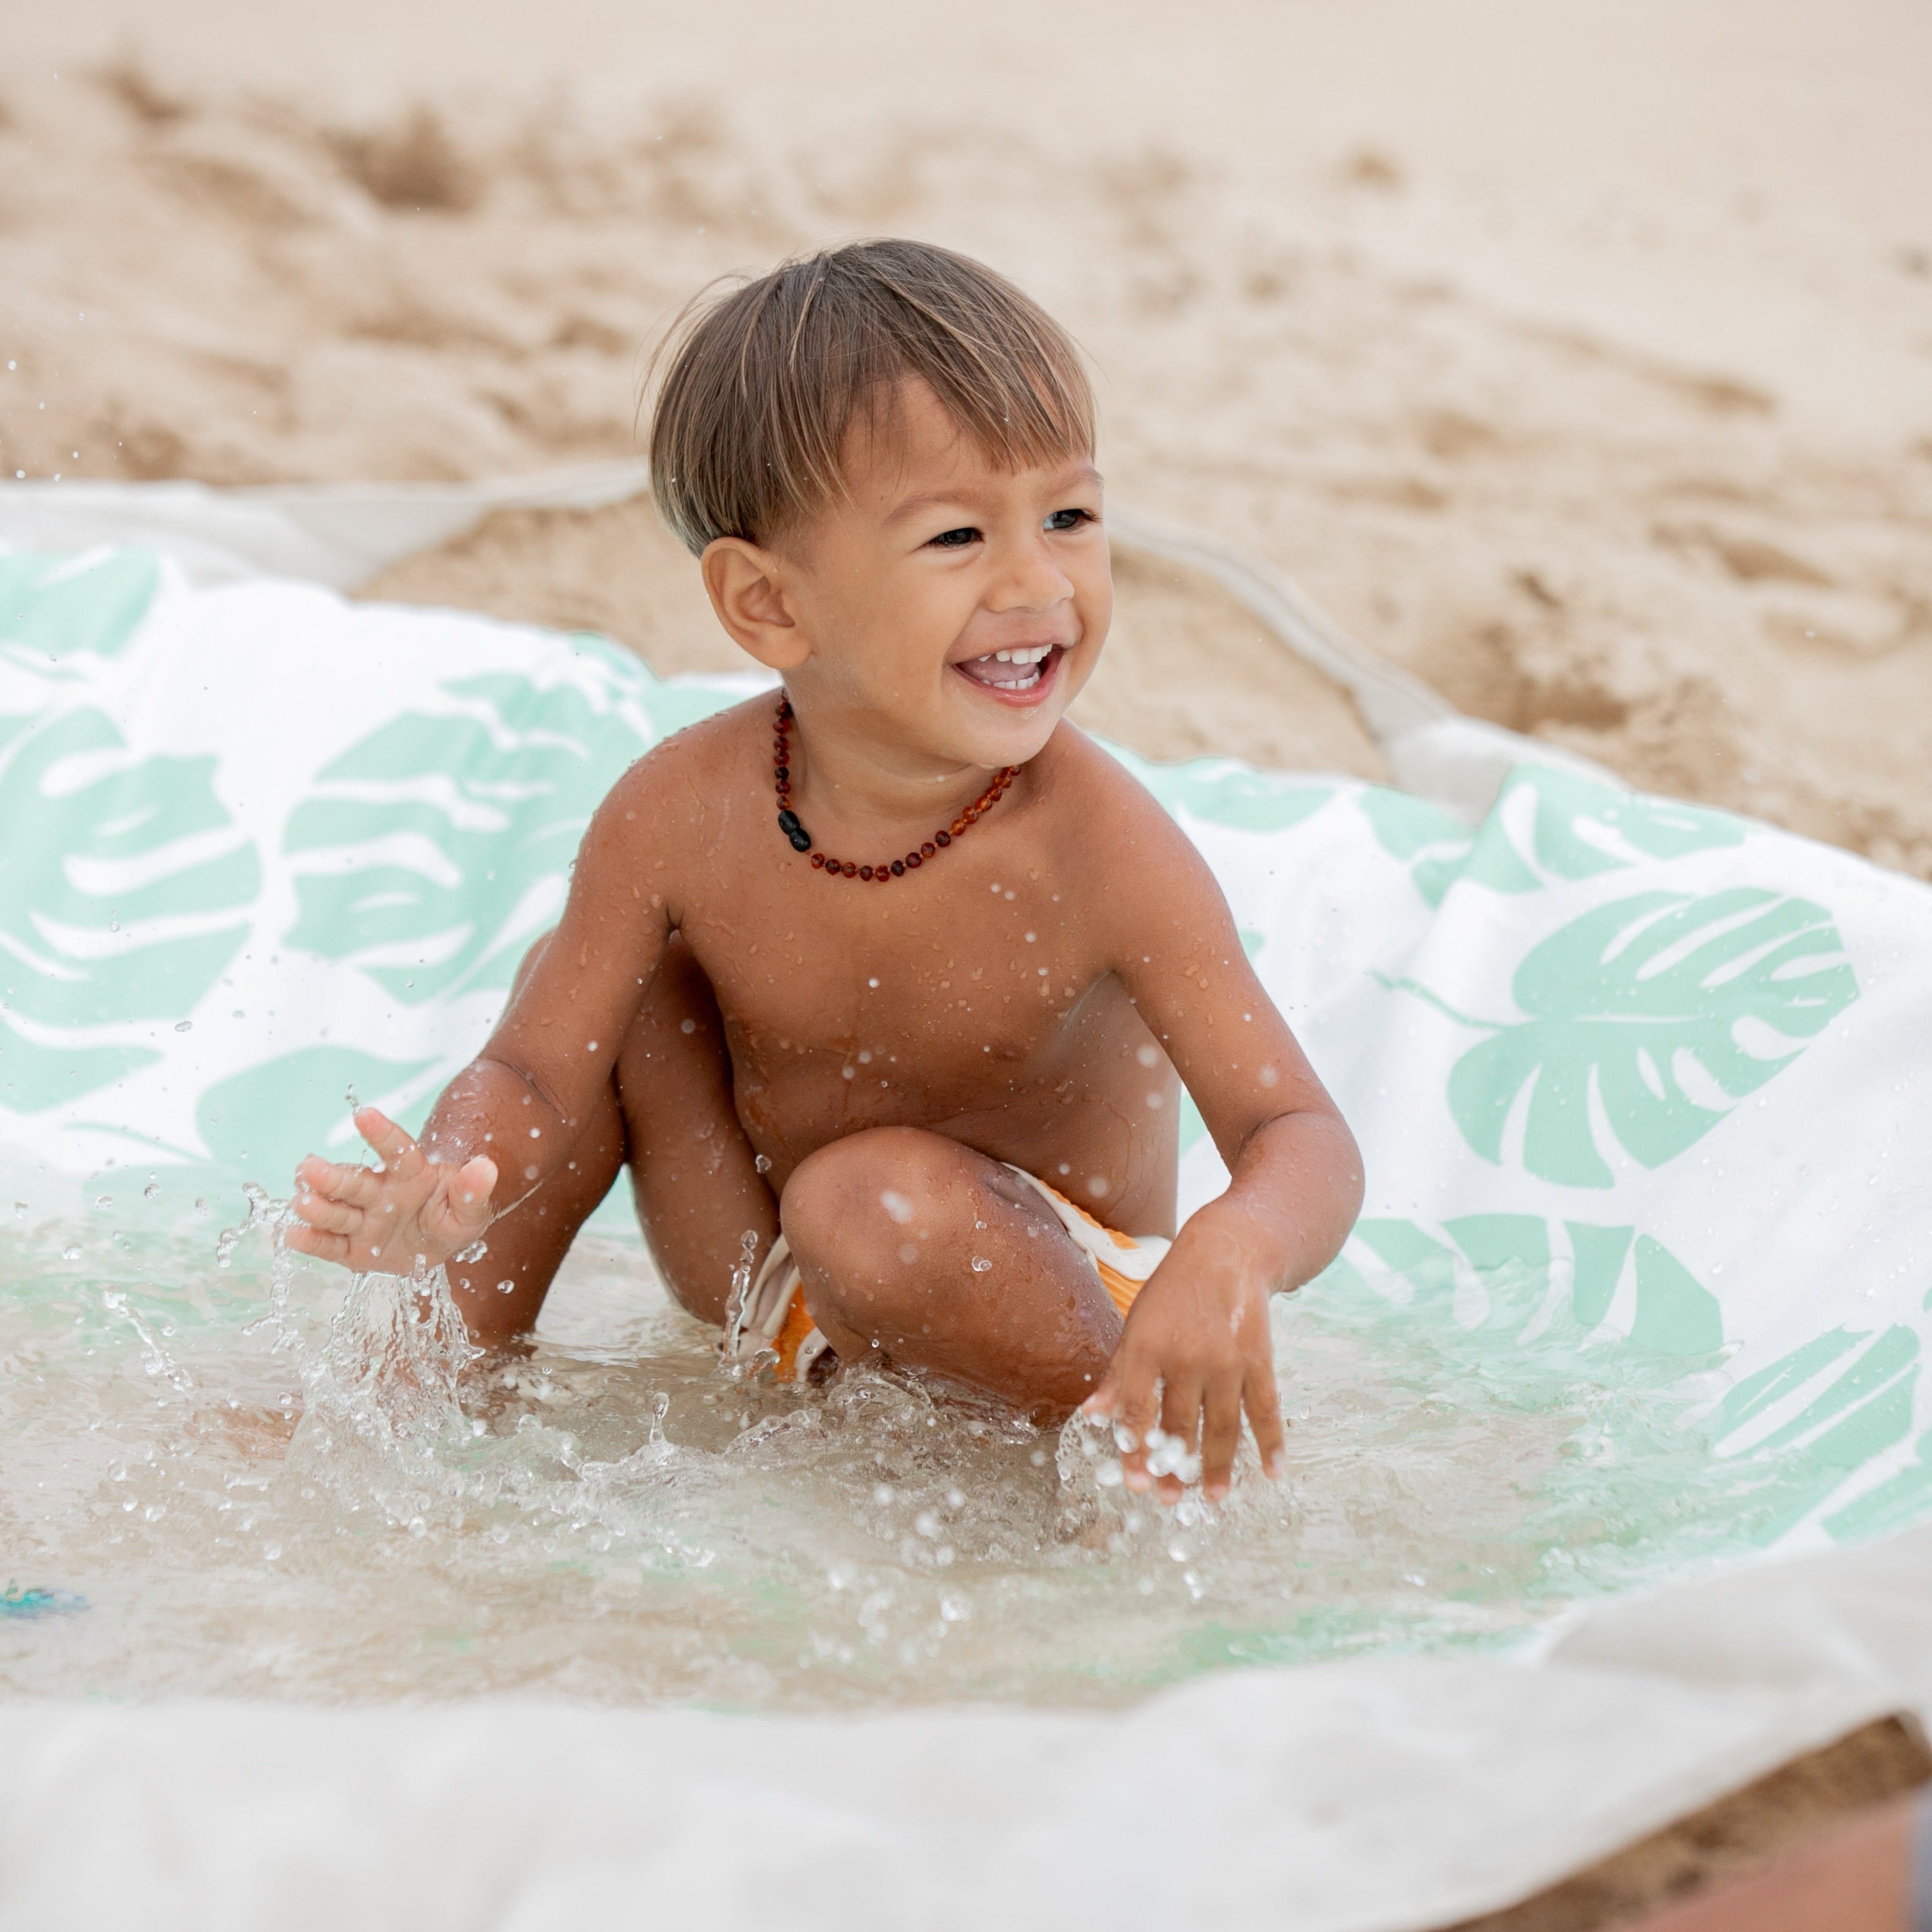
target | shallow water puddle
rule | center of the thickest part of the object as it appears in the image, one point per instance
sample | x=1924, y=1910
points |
x=258, y=1480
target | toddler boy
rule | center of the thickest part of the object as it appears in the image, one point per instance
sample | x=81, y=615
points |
x=896, y=970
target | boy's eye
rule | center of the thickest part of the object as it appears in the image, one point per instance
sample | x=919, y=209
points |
x=955, y=539
x=1068, y=520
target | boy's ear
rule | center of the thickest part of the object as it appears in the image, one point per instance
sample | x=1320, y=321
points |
x=745, y=586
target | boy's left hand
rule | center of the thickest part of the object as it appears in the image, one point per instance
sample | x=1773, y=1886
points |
x=1198, y=1332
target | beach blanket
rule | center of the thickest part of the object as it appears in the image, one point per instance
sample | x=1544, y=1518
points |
x=1628, y=1074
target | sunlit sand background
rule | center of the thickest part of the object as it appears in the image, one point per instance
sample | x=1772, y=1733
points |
x=1577, y=356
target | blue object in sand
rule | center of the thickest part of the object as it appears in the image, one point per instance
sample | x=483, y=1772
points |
x=15, y=1602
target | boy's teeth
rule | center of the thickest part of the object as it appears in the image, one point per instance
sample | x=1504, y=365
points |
x=1024, y=669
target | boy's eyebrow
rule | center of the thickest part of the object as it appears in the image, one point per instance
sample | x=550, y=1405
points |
x=1086, y=476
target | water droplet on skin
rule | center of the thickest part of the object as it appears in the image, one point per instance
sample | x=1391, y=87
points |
x=981, y=1265
x=474, y=1252
x=506, y=1287
x=687, y=1026
x=1148, y=1056
x=152, y=1192
x=763, y=1162
x=897, y=1206
x=590, y=1046
x=872, y=983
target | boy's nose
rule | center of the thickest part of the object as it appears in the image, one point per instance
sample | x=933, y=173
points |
x=1033, y=581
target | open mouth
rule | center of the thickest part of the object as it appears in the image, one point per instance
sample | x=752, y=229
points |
x=1024, y=672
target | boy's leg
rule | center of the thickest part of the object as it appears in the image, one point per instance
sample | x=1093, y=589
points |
x=668, y=1113
x=914, y=1248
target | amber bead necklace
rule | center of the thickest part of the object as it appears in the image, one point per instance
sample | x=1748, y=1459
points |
x=891, y=869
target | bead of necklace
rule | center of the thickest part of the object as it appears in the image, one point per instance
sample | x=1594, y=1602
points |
x=800, y=839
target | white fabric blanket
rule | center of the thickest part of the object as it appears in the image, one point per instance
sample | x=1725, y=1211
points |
x=1628, y=1075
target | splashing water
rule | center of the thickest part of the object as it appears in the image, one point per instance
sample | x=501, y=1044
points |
x=265, y=1479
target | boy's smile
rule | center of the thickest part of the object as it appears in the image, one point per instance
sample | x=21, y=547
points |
x=943, y=613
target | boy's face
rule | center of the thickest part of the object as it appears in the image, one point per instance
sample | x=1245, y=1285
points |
x=948, y=611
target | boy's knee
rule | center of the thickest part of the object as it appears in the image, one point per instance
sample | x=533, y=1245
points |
x=857, y=1204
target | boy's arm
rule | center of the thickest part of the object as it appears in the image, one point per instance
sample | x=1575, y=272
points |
x=1199, y=1329
x=510, y=1117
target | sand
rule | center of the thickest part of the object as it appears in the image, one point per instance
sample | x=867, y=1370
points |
x=1578, y=358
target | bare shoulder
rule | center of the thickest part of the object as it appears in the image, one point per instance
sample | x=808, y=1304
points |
x=692, y=777
x=1106, y=812
x=1134, y=865
x=679, y=802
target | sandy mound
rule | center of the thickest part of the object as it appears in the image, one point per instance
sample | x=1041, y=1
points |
x=1652, y=558
x=619, y=571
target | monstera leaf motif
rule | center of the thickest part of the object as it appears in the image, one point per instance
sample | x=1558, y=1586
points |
x=124, y=892
x=1224, y=792
x=1667, y=1010
x=1434, y=846
x=1546, y=824
x=437, y=847
x=1489, y=1276
x=1574, y=827
x=91, y=600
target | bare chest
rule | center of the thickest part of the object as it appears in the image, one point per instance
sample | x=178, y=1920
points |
x=960, y=993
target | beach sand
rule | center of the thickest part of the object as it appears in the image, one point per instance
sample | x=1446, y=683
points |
x=1578, y=358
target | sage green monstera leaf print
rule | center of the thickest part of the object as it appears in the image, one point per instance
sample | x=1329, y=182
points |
x=125, y=891
x=1548, y=824
x=1664, y=1010
x=87, y=602
x=436, y=848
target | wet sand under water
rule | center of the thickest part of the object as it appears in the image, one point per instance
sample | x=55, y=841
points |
x=1605, y=407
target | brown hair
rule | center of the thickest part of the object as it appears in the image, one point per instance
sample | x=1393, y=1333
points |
x=764, y=384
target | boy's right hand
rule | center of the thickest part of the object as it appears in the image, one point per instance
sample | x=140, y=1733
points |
x=382, y=1220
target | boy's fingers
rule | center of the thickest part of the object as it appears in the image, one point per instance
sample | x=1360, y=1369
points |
x=401, y=1157
x=321, y=1213
x=323, y=1246
x=1133, y=1410
x=1180, y=1417
x=462, y=1211
x=469, y=1193
x=1220, y=1437
x=1263, y=1400
x=354, y=1184
x=1180, y=1410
